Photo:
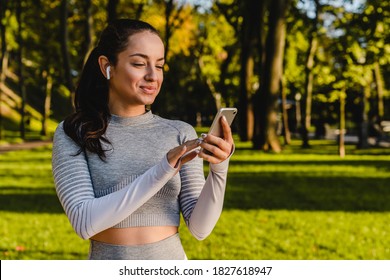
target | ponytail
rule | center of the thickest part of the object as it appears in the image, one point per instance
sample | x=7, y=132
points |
x=88, y=124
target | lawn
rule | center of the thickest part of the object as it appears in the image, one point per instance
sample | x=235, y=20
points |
x=300, y=204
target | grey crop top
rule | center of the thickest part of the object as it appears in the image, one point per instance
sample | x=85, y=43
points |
x=136, y=186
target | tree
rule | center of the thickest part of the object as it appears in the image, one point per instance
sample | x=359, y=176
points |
x=214, y=52
x=64, y=40
x=3, y=58
x=308, y=92
x=364, y=45
x=265, y=136
x=22, y=89
x=251, y=53
x=112, y=10
x=88, y=28
x=47, y=75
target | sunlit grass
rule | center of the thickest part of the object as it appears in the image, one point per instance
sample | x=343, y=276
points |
x=281, y=234
x=300, y=204
x=38, y=235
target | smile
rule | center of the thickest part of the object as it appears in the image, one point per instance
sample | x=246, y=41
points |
x=149, y=89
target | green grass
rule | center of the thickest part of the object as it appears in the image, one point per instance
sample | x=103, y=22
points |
x=300, y=204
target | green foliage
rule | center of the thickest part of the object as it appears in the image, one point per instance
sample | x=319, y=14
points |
x=302, y=204
x=11, y=23
x=203, y=57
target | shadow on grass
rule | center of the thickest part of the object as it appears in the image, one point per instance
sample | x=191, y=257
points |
x=272, y=191
x=40, y=255
x=319, y=147
x=276, y=191
x=30, y=203
x=326, y=163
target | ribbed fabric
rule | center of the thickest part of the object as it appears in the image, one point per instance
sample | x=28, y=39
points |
x=136, y=186
x=166, y=249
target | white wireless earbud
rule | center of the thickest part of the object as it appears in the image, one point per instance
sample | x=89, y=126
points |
x=108, y=72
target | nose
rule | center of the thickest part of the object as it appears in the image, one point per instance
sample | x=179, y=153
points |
x=151, y=74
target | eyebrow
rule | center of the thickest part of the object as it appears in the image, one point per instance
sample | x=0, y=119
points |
x=145, y=56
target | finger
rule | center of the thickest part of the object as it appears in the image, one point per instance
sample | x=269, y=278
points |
x=220, y=153
x=192, y=144
x=188, y=157
x=219, y=142
x=227, y=131
x=210, y=158
x=175, y=154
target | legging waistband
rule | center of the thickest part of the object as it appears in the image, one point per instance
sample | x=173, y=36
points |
x=166, y=249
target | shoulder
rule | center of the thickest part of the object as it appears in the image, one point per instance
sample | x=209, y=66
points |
x=185, y=130
x=59, y=132
x=61, y=138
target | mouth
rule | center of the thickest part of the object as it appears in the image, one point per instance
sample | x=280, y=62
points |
x=149, y=89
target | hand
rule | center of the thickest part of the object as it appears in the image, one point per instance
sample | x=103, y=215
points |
x=180, y=155
x=220, y=148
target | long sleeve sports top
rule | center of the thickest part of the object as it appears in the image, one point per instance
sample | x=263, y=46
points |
x=136, y=186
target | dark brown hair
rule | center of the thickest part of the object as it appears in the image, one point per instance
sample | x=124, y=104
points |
x=88, y=124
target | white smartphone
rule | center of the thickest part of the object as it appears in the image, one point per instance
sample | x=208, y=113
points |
x=216, y=128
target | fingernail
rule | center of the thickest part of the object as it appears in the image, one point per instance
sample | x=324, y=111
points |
x=224, y=118
x=204, y=135
x=199, y=141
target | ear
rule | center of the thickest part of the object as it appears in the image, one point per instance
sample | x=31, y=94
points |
x=104, y=63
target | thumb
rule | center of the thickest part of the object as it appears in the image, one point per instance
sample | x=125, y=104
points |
x=175, y=154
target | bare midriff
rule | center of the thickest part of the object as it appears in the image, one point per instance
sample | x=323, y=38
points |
x=135, y=235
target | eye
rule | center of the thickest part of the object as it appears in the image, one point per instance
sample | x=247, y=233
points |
x=160, y=67
x=138, y=64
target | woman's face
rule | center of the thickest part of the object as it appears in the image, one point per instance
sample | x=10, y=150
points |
x=137, y=77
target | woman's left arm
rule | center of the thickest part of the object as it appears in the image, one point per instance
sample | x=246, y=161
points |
x=202, y=211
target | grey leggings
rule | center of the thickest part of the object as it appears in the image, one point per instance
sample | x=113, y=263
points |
x=166, y=249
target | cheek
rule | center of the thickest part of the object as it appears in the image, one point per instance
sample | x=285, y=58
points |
x=161, y=78
x=133, y=77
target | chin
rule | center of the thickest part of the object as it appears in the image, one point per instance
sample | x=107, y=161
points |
x=149, y=99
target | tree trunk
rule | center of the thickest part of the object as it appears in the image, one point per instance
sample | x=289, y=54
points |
x=268, y=138
x=64, y=50
x=257, y=99
x=216, y=95
x=88, y=28
x=139, y=10
x=2, y=32
x=342, y=125
x=3, y=59
x=286, y=130
x=363, y=120
x=308, y=93
x=4, y=67
x=111, y=10
x=306, y=119
x=21, y=86
x=46, y=108
x=172, y=21
x=379, y=90
x=168, y=27
x=252, y=16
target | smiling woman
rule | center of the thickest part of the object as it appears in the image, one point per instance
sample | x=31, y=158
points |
x=122, y=174
x=137, y=77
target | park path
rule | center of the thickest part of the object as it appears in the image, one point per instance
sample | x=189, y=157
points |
x=23, y=146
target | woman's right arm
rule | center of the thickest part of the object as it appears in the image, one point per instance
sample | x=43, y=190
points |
x=87, y=214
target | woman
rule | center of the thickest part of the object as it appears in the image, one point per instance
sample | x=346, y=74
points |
x=124, y=175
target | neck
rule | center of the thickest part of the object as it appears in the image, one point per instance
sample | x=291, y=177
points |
x=128, y=111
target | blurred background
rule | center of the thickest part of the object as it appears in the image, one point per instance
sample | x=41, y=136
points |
x=294, y=68
x=310, y=175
